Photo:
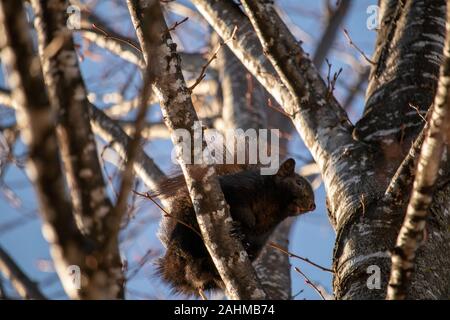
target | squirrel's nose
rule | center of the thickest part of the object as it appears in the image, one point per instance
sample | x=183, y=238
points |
x=313, y=207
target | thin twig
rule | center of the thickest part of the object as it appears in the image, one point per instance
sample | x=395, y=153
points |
x=363, y=205
x=357, y=48
x=108, y=36
x=309, y=282
x=297, y=294
x=270, y=105
x=331, y=81
x=418, y=112
x=176, y=24
x=140, y=264
x=202, y=294
x=290, y=254
x=167, y=214
x=211, y=59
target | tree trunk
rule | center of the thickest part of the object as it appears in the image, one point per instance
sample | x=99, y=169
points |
x=407, y=58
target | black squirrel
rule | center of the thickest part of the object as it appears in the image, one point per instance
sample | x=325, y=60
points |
x=258, y=203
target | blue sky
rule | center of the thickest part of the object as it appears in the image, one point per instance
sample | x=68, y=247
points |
x=312, y=235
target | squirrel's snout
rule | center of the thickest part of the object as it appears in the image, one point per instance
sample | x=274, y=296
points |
x=300, y=209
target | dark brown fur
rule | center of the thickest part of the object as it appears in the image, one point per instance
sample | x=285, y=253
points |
x=257, y=203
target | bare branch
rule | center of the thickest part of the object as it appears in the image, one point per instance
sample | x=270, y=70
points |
x=280, y=248
x=398, y=78
x=321, y=122
x=329, y=35
x=68, y=96
x=94, y=30
x=273, y=267
x=184, y=10
x=24, y=286
x=150, y=131
x=310, y=283
x=152, y=41
x=111, y=132
x=403, y=179
x=119, y=46
x=176, y=24
x=350, y=41
x=210, y=60
x=243, y=97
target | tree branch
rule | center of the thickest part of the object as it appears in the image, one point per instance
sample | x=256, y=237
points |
x=94, y=29
x=112, y=133
x=321, y=122
x=152, y=40
x=68, y=96
x=150, y=131
x=243, y=97
x=405, y=73
x=244, y=107
x=24, y=286
x=120, y=48
x=273, y=267
x=330, y=32
x=212, y=212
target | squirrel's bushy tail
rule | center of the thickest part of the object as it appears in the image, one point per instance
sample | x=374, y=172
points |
x=186, y=275
x=171, y=268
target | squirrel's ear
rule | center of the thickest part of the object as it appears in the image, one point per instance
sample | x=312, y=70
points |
x=287, y=168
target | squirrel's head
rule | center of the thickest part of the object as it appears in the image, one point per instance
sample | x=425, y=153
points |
x=298, y=189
